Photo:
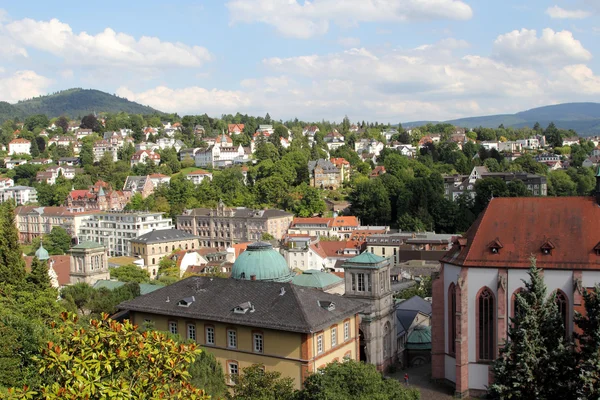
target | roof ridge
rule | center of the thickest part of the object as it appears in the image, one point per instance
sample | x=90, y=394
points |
x=302, y=311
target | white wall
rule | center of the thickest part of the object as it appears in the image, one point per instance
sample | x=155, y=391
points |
x=563, y=280
x=478, y=375
x=450, y=368
x=590, y=278
x=515, y=281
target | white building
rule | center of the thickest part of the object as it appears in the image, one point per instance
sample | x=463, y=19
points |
x=159, y=179
x=530, y=144
x=221, y=154
x=13, y=163
x=142, y=156
x=167, y=143
x=490, y=145
x=20, y=194
x=368, y=146
x=104, y=146
x=114, y=230
x=19, y=146
x=49, y=176
x=198, y=176
x=6, y=183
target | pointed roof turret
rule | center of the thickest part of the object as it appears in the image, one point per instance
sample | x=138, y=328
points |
x=41, y=253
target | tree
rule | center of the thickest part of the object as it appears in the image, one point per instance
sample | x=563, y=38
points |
x=63, y=123
x=78, y=295
x=370, y=202
x=87, y=153
x=553, y=136
x=91, y=122
x=12, y=266
x=206, y=373
x=588, y=356
x=560, y=184
x=39, y=274
x=58, y=241
x=257, y=384
x=108, y=359
x=353, y=380
x=130, y=273
x=535, y=362
x=517, y=188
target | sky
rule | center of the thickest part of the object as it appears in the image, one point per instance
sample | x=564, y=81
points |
x=372, y=60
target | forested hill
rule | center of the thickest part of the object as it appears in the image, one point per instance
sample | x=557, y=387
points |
x=74, y=103
x=584, y=118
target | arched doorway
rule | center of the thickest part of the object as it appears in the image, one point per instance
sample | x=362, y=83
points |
x=362, y=346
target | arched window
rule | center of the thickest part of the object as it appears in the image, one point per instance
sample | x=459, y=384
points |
x=563, y=308
x=452, y=318
x=485, y=325
x=387, y=344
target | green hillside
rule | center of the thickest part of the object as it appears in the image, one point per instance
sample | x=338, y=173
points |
x=584, y=118
x=74, y=103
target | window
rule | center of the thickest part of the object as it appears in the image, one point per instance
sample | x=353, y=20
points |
x=173, y=327
x=191, y=332
x=485, y=325
x=232, y=366
x=346, y=330
x=319, y=344
x=361, y=282
x=210, y=335
x=258, y=342
x=353, y=281
x=563, y=303
x=231, y=338
x=334, y=336
x=452, y=318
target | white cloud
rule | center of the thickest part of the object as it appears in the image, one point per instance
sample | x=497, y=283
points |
x=107, y=48
x=22, y=85
x=561, y=13
x=189, y=100
x=305, y=19
x=349, y=41
x=524, y=47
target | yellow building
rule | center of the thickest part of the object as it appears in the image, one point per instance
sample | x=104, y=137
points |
x=290, y=329
x=154, y=245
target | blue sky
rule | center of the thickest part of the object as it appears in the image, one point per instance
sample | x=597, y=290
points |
x=384, y=60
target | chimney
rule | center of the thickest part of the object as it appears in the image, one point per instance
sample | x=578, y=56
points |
x=252, y=277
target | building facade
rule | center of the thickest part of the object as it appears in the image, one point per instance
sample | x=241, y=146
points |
x=289, y=329
x=406, y=246
x=224, y=226
x=115, y=230
x=35, y=221
x=88, y=263
x=19, y=194
x=474, y=294
x=324, y=174
x=155, y=245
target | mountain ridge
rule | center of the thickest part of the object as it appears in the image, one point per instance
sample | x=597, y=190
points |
x=583, y=117
x=74, y=103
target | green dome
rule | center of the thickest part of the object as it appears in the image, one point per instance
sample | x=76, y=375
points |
x=316, y=279
x=262, y=262
x=41, y=253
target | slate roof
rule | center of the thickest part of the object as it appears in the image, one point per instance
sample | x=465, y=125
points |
x=328, y=166
x=405, y=320
x=279, y=306
x=88, y=245
x=163, y=235
x=415, y=303
x=139, y=182
x=241, y=212
x=523, y=225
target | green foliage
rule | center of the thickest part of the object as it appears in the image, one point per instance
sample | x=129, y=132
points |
x=58, y=241
x=536, y=362
x=12, y=265
x=39, y=274
x=588, y=356
x=206, y=373
x=422, y=289
x=353, y=380
x=254, y=383
x=130, y=273
x=370, y=202
x=107, y=359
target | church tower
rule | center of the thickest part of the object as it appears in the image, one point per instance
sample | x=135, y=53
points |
x=367, y=278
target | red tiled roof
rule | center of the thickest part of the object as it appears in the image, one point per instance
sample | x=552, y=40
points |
x=158, y=176
x=60, y=264
x=345, y=221
x=231, y=128
x=315, y=220
x=523, y=225
x=240, y=248
x=339, y=161
x=78, y=194
x=15, y=141
x=199, y=172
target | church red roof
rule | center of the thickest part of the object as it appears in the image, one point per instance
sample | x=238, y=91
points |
x=561, y=232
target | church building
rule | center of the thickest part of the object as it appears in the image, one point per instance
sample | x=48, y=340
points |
x=474, y=294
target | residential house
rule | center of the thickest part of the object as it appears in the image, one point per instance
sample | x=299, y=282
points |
x=324, y=174
x=6, y=183
x=334, y=140
x=293, y=330
x=34, y=221
x=98, y=197
x=547, y=157
x=10, y=163
x=265, y=130
x=159, y=179
x=168, y=143
x=368, y=146
x=138, y=184
x=377, y=171
x=103, y=146
x=490, y=145
x=81, y=133
x=529, y=144
x=187, y=260
x=570, y=141
x=221, y=154
x=149, y=146
x=344, y=166
x=510, y=147
x=51, y=173
x=407, y=150
x=142, y=157
x=64, y=141
x=235, y=129
x=198, y=176
x=19, y=146
x=591, y=161
x=189, y=154
x=69, y=161
x=155, y=245
x=457, y=185
x=41, y=161
x=310, y=131
x=407, y=246
x=149, y=130
x=486, y=267
x=199, y=130
x=224, y=226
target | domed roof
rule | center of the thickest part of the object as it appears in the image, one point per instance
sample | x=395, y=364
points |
x=41, y=253
x=263, y=262
x=316, y=279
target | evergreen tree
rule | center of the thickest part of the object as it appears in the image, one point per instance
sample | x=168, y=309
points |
x=39, y=274
x=12, y=266
x=588, y=357
x=536, y=362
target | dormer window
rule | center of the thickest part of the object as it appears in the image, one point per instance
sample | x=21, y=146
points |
x=597, y=249
x=495, y=246
x=186, y=302
x=327, y=305
x=244, y=308
x=547, y=247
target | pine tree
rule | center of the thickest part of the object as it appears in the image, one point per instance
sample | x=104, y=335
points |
x=535, y=362
x=39, y=274
x=588, y=357
x=12, y=265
